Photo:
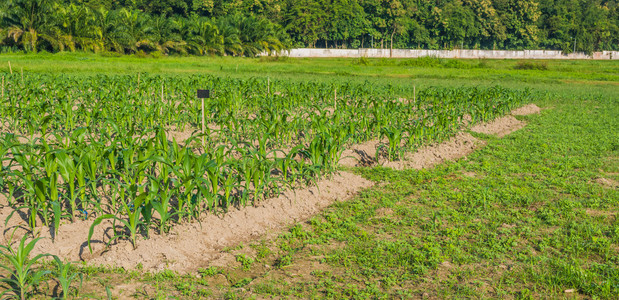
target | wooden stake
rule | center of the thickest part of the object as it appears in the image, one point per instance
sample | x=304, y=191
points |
x=22, y=76
x=138, y=80
x=414, y=93
x=268, y=86
x=2, y=88
x=203, y=127
x=10, y=69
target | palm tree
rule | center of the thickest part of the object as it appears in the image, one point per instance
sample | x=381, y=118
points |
x=165, y=36
x=80, y=23
x=257, y=35
x=231, y=41
x=134, y=29
x=107, y=30
x=205, y=38
x=27, y=21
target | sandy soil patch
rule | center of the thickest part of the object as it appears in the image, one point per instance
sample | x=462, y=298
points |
x=607, y=183
x=526, y=110
x=599, y=212
x=360, y=155
x=426, y=157
x=499, y=127
x=193, y=245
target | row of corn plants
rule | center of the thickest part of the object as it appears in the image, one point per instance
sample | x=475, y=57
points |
x=102, y=147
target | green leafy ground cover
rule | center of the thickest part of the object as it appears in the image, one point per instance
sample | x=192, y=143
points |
x=531, y=215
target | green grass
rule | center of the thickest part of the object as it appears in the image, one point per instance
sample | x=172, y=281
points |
x=525, y=217
x=422, y=72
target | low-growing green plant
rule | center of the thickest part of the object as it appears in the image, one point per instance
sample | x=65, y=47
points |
x=65, y=276
x=529, y=65
x=245, y=261
x=22, y=274
x=210, y=271
x=362, y=61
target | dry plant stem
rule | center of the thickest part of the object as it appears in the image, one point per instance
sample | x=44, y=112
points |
x=2, y=87
x=10, y=69
x=22, y=76
x=268, y=86
x=335, y=99
x=162, y=100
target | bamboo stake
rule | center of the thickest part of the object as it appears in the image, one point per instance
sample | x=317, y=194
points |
x=10, y=69
x=335, y=99
x=268, y=86
x=3, y=88
x=162, y=100
x=22, y=76
x=414, y=94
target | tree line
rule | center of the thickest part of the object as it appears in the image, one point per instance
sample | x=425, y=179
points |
x=249, y=27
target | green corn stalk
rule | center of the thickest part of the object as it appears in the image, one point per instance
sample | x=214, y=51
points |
x=132, y=221
x=68, y=171
x=21, y=274
x=394, y=135
x=65, y=276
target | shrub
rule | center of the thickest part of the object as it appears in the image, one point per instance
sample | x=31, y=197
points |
x=529, y=65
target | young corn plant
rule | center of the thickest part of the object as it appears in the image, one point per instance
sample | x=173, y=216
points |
x=394, y=135
x=22, y=276
x=65, y=276
x=131, y=222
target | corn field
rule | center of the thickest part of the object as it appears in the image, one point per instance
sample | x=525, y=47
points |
x=104, y=147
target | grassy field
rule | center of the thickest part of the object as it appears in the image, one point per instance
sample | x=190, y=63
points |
x=531, y=215
x=422, y=72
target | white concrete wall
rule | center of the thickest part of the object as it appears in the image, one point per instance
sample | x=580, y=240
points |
x=412, y=53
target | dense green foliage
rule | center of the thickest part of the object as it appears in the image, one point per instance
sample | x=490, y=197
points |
x=248, y=27
x=34, y=25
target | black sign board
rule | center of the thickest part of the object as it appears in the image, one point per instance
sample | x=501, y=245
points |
x=204, y=94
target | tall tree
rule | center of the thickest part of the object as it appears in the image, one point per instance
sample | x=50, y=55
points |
x=520, y=20
x=304, y=20
x=28, y=20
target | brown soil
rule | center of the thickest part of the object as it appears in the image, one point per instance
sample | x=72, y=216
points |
x=607, y=183
x=526, y=110
x=193, y=245
x=598, y=212
x=499, y=127
x=470, y=174
x=360, y=155
x=457, y=147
